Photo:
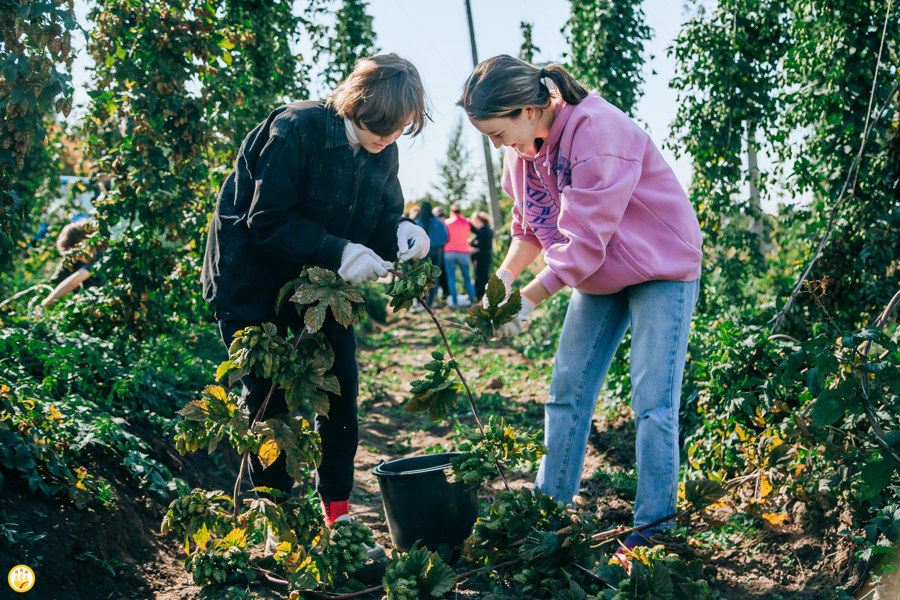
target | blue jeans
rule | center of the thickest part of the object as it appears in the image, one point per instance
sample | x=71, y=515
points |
x=660, y=316
x=461, y=260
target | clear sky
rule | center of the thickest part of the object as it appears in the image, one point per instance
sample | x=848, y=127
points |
x=434, y=35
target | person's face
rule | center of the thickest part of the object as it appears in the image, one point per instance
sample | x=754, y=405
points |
x=518, y=133
x=373, y=142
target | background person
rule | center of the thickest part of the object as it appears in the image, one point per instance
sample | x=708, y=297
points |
x=456, y=255
x=316, y=184
x=437, y=236
x=482, y=242
x=591, y=189
x=74, y=270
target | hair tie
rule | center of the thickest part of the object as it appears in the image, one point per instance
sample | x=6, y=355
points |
x=543, y=73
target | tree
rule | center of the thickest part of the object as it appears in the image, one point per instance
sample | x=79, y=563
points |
x=148, y=129
x=352, y=38
x=36, y=40
x=607, y=45
x=455, y=172
x=838, y=78
x=727, y=78
x=528, y=49
x=262, y=68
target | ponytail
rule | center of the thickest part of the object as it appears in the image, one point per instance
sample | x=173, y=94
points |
x=502, y=86
x=568, y=87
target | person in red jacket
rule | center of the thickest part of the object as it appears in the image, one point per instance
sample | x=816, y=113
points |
x=456, y=256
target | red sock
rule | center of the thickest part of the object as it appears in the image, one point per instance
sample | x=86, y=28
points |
x=333, y=510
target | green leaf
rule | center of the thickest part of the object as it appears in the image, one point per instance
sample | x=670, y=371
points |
x=700, y=493
x=829, y=407
x=875, y=477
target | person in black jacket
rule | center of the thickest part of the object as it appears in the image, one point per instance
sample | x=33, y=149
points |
x=482, y=241
x=316, y=185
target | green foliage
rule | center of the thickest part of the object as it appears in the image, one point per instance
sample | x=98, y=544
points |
x=436, y=393
x=317, y=290
x=345, y=549
x=512, y=517
x=351, y=37
x=500, y=309
x=220, y=565
x=455, y=172
x=656, y=575
x=197, y=514
x=36, y=38
x=528, y=49
x=148, y=130
x=607, y=39
x=417, y=574
x=700, y=493
x=501, y=443
x=212, y=417
x=260, y=69
x=414, y=281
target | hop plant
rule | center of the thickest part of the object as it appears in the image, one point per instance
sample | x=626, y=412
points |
x=500, y=443
x=417, y=574
x=256, y=348
x=414, y=281
x=197, y=513
x=437, y=392
x=345, y=550
x=219, y=566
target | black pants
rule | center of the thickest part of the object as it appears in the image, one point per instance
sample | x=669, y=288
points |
x=339, y=430
x=482, y=262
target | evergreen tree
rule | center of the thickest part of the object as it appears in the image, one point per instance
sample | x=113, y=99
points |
x=455, y=172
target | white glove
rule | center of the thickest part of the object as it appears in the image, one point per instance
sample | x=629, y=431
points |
x=507, y=277
x=412, y=241
x=517, y=324
x=360, y=263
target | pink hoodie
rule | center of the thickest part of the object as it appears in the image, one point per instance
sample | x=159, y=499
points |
x=603, y=203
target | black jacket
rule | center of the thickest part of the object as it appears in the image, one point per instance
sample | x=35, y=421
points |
x=295, y=197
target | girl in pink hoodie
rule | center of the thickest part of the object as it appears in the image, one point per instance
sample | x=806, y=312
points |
x=592, y=192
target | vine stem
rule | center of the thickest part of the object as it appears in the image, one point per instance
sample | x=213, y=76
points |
x=245, y=460
x=874, y=421
x=613, y=533
x=459, y=372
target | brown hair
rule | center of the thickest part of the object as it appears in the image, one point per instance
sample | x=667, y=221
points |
x=71, y=235
x=381, y=94
x=502, y=86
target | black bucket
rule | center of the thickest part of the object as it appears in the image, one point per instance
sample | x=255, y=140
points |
x=420, y=504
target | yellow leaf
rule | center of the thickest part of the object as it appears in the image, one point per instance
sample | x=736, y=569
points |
x=775, y=519
x=742, y=435
x=201, y=536
x=226, y=57
x=217, y=392
x=268, y=452
x=236, y=537
x=765, y=488
x=54, y=415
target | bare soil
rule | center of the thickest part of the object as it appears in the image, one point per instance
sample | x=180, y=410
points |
x=117, y=552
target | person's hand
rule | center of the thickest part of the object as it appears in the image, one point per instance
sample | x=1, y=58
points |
x=517, y=324
x=507, y=277
x=412, y=241
x=360, y=263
